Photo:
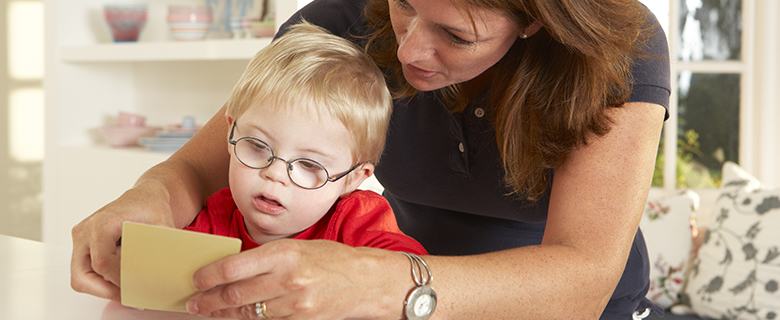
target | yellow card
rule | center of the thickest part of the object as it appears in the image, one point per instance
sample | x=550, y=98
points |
x=157, y=264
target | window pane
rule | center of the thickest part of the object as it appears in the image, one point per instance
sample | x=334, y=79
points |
x=658, y=173
x=708, y=127
x=710, y=30
x=25, y=123
x=661, y=11
x=25, y=40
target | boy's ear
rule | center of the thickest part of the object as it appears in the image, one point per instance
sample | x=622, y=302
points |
x=356, y=177
x=229, y=145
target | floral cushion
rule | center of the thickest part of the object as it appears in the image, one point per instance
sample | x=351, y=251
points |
x=737, y=268
x=667, y=230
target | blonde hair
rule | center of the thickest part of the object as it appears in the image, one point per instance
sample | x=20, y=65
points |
x=311, y=68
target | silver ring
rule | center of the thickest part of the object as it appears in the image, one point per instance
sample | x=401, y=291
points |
x=262, y=311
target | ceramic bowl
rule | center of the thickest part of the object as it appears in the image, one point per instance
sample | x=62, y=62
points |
x=127, y=119
x=118, y=136
x=263, y=29
x=125, y=21
x=189, y=22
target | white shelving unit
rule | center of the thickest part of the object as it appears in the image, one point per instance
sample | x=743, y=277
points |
x=211, y=50
x=89, y=80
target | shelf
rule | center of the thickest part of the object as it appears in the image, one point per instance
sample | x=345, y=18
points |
x=218, y=49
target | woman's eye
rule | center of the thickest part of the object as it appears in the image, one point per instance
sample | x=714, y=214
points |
x=402, y=4
x=458, y=40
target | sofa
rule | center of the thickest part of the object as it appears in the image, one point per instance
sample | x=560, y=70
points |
x=727, y=269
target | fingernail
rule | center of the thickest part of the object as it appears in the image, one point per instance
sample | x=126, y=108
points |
x=192, y=307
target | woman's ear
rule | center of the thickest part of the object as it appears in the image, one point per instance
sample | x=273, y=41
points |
x=356, y=178
x=531, y=29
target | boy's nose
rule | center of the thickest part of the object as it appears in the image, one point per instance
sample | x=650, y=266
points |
x=277, y=172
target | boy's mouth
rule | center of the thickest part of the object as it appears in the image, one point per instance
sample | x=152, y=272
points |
x=268, y=205
x=270, y=201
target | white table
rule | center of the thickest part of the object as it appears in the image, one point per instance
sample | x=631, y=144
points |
x=35, y=285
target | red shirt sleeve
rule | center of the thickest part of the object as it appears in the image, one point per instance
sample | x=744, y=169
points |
x=363, y=219
x=215, y=218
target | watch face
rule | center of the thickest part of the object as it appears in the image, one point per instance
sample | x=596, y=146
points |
x=420, y=303
x=422, y=306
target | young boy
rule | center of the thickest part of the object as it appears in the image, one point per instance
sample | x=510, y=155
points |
x=308, y=118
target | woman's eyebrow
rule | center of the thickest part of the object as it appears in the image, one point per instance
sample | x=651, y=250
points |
x=451, y=28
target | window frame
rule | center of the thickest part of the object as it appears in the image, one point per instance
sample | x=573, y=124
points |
x=743, y=67
x=759, y=97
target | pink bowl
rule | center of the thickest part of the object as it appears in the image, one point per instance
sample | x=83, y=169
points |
x=263, y=29
x=127, y=119
x=125, y=22
x=127, y=136
x=201, y=9
x=182, y=13
x=183, y=17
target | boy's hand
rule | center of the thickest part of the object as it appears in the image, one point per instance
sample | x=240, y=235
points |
x=94, y=267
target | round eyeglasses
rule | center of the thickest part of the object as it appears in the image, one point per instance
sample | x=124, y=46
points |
x=303, y=172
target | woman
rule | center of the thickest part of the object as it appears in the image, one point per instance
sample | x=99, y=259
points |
x=520, y=154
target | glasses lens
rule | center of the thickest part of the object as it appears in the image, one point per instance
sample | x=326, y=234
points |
x=253, y=153
x=307, y=173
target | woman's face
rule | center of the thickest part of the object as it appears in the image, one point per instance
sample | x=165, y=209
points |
x=437, y=43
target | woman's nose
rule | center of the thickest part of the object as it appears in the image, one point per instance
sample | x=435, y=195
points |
x=416, y=44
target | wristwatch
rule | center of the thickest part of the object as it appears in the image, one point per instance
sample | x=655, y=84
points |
x=421, y=301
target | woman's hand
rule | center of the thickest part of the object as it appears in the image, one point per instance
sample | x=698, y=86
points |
x=297, y=279
x=94, y=267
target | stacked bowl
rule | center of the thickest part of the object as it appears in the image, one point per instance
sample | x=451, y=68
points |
x=129, y=129
x=125, y=21
x=188, y=23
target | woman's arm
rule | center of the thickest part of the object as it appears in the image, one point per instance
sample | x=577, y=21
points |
x=595, y=207
x=170, y=194
x=597, y=200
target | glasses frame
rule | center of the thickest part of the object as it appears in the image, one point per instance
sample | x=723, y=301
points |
x=289, y=163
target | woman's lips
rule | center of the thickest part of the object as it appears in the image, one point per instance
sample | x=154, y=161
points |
x=425, y=74
x=268, y=206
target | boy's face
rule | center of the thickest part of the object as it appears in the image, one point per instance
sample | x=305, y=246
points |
x=273, y=206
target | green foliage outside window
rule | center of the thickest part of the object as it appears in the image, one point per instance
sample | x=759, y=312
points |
x=690, y=173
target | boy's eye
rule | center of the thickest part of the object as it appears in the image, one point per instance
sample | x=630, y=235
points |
x=258, y=146
x=308, y=165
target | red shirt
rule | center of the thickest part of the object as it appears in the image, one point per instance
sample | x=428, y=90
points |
x=362, y=219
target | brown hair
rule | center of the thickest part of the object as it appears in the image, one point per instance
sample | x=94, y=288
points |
x=566, y=77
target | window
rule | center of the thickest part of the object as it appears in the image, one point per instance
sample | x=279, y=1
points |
x=710, y=52
x=21, y=117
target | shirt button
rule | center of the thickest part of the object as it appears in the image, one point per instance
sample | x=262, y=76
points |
x=461, y=147
x=479, y=112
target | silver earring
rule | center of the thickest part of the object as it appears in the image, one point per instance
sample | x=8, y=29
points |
x=524, y=36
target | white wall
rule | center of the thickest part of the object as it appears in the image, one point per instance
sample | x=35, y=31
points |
x=767, y=91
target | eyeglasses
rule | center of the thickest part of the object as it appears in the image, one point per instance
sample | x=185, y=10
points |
x=303, y=172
